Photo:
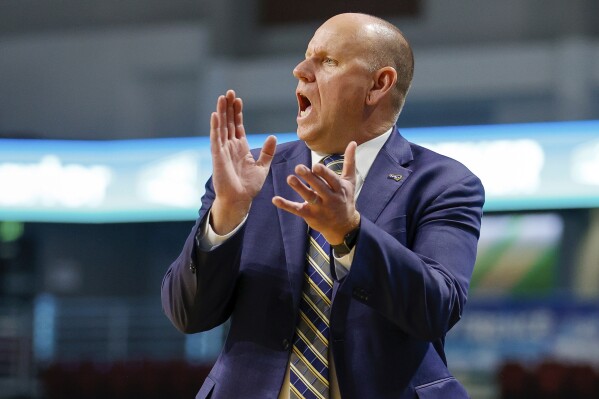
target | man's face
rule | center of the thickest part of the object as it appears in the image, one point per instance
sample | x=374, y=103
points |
x=334, y=81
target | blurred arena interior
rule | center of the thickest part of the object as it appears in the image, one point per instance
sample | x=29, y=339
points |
x=104, y=109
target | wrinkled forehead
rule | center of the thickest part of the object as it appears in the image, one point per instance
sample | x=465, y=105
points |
x=348, y=36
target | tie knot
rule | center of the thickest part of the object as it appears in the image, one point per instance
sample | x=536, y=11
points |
x=334, y=162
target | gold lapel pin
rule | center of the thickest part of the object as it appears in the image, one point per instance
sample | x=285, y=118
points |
x=394, y=177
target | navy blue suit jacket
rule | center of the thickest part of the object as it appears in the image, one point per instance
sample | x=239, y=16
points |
x=406, y=288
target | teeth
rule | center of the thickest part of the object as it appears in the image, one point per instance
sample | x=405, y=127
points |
x=304, y=103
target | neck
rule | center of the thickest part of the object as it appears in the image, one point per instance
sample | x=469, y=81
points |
x=374, y=131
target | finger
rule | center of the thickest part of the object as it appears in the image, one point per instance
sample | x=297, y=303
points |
x=239, y=128
x=268, y=151
x=349, y=162
x=221, y=109
x=328, y=175
x=304, y=191
x=292, y=207
x=214, y=136
x=316, y=183
x=230, y=114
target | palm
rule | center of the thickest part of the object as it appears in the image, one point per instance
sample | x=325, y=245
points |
x=236, y=176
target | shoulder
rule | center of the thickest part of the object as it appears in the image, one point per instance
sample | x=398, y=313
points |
x=435, y=175
x=423, y=161
x=429, y=162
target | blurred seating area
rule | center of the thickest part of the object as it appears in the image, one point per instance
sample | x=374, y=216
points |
x=127, y=379
x=548, y=380
x=179, y=379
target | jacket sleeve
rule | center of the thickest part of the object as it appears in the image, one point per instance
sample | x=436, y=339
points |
x=198, y=287
x=421, y=289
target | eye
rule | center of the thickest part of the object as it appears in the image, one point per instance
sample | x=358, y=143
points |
x=329, y=61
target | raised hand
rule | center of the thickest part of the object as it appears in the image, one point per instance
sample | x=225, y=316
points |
x=236, y=176
x=329, y=205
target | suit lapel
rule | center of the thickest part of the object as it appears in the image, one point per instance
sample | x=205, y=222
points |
x=385, y=177
x=293, y=228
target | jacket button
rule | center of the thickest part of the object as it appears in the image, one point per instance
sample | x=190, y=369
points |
x=192, y=267
x=286, y=344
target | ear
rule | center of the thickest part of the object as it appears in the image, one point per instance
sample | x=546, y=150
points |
x=384, y=80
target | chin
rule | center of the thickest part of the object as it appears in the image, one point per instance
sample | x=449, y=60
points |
x=315, y=139
x=306, y=135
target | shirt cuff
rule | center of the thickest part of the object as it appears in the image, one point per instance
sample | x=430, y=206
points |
x=343, y=264
x=207, y=239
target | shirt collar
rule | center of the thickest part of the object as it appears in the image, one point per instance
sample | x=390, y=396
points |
x=365, y=153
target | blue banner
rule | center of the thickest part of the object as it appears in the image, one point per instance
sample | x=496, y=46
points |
x=528, y=331
x=522, y=166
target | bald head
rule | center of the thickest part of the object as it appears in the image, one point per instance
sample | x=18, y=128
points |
x=384, y=45
x=352, y=82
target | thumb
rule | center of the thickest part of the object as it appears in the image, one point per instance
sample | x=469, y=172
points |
x=268, y=151
x=349, y=162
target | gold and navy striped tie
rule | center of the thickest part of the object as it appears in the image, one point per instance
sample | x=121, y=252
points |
x=309, y=362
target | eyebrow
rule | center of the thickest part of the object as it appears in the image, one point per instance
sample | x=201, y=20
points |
x=317, y=51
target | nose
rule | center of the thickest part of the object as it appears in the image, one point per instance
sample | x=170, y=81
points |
x=303, y=71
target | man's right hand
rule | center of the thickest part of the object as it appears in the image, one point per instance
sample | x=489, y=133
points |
x=236, y=176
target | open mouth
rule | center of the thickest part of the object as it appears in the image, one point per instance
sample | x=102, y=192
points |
x=305, y=106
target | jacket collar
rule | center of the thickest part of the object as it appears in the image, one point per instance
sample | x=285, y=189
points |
x=387, y=174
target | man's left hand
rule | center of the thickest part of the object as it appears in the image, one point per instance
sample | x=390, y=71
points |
x=329, y=202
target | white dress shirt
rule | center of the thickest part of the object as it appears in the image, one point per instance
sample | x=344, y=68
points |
x=365, y=155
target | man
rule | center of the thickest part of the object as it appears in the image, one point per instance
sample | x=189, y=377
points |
x=347, y=286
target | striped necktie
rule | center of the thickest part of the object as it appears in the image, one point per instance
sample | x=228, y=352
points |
x=309, y=362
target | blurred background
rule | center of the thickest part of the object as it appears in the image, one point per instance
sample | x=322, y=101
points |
x=104, y=109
